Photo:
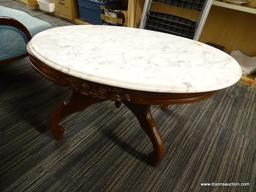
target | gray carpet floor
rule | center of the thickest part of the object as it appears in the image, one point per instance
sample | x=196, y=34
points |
x=104, y=148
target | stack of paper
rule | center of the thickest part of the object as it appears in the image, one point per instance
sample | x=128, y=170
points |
x=248, y=64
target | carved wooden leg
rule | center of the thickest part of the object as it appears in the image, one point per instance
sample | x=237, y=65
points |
x=117, y=104
x=144, y=116
x=75, y=103
x=164, y=107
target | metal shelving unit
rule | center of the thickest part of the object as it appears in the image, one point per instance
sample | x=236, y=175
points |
x=173, y=24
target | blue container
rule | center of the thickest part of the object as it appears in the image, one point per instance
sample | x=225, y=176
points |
x=89, y=10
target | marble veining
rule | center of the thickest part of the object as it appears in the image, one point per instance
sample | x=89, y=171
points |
x=135, y=59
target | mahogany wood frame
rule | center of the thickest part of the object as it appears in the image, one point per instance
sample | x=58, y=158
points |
x=86, y=93
x=15, y=23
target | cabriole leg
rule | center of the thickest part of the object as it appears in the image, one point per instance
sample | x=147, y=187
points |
x=147, y=123
x=76, y=102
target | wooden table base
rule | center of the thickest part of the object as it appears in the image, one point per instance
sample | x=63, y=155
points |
x=86, y=93
x=78, y=102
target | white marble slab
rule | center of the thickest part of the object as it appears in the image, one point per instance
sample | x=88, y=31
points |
x=135, y=59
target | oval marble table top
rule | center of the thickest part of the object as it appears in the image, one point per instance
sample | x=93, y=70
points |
x=135, y=59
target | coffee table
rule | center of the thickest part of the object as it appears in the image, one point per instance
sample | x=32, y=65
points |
x=136, y=67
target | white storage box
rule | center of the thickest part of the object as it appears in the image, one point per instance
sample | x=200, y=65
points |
x=46, y=5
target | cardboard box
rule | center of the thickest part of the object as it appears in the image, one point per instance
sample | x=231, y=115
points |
x=66, y=9
x=32, y=4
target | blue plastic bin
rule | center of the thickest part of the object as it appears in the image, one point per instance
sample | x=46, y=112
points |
x=89, y=10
